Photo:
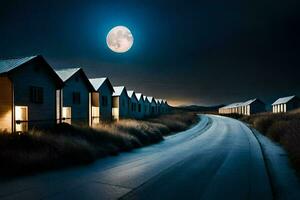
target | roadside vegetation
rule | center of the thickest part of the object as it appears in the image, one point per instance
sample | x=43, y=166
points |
x=65, y=145
x=283, y=128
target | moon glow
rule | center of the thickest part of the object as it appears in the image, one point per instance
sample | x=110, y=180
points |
x=119, y=39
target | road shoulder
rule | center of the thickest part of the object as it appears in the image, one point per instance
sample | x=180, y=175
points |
x=284, y=180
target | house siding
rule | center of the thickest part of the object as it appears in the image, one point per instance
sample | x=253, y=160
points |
x=105, y=111
x=6, y=104
x=80, y=112
x=34, y=74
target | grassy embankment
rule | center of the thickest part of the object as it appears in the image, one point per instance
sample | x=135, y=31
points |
x=283, y=128
x=66, y=145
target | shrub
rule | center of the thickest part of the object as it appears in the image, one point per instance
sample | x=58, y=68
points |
x=65, y=145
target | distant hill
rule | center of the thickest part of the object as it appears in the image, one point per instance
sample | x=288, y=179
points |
x=198, y=108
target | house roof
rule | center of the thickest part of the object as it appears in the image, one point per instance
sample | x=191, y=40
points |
x=239, y=104
x=131, y=94
x=151, y=99
x=66, y=74
x=118, y=90
x=139, y=96
x=160, y=101
x=146, y=99
x=10, y=64
x=283, y=100
x=234, y=105
x=246, y=103
x=98, y=82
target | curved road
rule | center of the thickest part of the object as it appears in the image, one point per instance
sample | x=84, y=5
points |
x=219, y=158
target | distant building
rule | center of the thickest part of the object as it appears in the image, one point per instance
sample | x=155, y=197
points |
x=120, y=105
x=133, y=106
x=160, y=104
x=249, y=107
x=104, y=93
x=75, y=97
x=140, y=106
x=147, y=106
x=153, y=105
x=286, y=104
x=28, y=94
x=164, y=106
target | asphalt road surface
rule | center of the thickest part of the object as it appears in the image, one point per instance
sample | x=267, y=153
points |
x=219, y=158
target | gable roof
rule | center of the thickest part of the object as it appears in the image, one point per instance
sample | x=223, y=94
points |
x=118, y=90
x=151, y=99
x=131, y=94
x=146, y=99
x=160, y=101
x=139, y=96
x=9, y=65
x=239, y=104
x=66, y=74
x=98, y=82
x=283, y=100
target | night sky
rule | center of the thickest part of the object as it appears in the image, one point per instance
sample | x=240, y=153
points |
x=190, y=52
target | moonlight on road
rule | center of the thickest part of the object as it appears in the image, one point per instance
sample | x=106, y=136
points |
x=119, y=39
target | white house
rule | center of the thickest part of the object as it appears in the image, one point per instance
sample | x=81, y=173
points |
x=249, y=107
x=141, y=104
x=133, y=106
x=120, y=103
x=104, y=92
x=75, y=97
x=286, y=104
x=28, y=94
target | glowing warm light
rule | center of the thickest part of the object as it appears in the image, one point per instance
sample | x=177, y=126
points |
x=95, y=115
x=115, y=113
x=119, y=39
x=21, y=118
x=67, y=114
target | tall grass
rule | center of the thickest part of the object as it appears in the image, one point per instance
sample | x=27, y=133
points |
x=283, y=128
x=65, y=145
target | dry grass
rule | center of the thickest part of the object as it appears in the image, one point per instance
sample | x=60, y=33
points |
x=65, y=145
x=283, y=128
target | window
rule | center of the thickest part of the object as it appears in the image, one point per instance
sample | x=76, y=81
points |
x=139, y=107
x=36, y=95
x=104, y=101
x=76, y=97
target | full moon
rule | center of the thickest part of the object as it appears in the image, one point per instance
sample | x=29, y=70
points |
x=119, y=39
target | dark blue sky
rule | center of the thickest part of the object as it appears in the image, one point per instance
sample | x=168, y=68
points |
x=205, y=52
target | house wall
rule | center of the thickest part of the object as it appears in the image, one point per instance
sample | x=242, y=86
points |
x=146, y=108
x=293, y=104
x=105, y=110
x=257, y=107
x=6, y=104
x=141, y=113
x=133, y=106
x=34, y=74
x=80, y=112
x=124, y=107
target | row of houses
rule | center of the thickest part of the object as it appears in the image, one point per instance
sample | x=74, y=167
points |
x=33, y=94
x=254, y=106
